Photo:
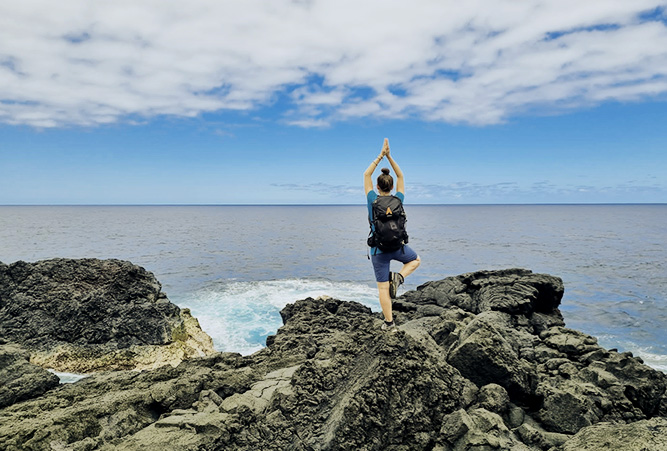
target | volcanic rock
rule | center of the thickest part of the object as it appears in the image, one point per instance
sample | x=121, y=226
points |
x=481, y=361
x=19, y=379
x=89, y=315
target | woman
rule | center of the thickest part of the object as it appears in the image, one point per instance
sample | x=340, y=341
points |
x=387, y=281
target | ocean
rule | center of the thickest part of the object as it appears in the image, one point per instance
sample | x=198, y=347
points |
x=235, y=267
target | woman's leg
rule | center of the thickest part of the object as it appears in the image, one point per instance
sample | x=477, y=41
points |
x=385, y=301
x=381, y=263
x=410, y=260
x=409, y=267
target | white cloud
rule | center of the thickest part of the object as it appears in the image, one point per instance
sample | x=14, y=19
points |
x=480, y=62
x=534, y=192
x=323, y=189
x=498, y=192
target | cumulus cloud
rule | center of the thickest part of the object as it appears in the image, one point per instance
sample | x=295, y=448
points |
x=76, y=62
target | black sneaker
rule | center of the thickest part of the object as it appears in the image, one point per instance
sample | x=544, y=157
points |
x=395, y=282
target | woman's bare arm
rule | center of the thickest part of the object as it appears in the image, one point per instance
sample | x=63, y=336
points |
x=368, y=173
x=400, y=180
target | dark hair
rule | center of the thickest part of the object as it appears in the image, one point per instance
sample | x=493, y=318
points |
x=385, y=181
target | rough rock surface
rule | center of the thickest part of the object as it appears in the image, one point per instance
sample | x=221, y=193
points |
x=645, y=435
x=481, y=361
x=19, y=379
x=89, y=315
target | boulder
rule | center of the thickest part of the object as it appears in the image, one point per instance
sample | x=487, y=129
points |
x=91, y=315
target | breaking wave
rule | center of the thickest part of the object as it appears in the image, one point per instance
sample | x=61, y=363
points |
x=239, y=315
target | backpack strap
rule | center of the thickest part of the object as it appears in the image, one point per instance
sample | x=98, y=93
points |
x=370, y=234
x=368, y=248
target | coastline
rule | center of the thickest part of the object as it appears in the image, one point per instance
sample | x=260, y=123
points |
x=479, y=359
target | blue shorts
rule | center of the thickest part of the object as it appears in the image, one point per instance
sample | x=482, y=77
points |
x=381, y=261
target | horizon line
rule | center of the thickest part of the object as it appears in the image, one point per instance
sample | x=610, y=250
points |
x=332, y=205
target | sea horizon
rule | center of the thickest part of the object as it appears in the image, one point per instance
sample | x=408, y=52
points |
x=337, y=204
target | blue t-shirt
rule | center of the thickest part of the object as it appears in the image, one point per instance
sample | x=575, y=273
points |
x=370, y=197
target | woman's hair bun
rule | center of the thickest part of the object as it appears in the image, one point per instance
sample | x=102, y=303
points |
x=385, y=171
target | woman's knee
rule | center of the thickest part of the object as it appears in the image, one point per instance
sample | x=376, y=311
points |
x=417, y=261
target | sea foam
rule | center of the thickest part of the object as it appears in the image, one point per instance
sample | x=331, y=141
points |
x=239, y=315
x=68, y=378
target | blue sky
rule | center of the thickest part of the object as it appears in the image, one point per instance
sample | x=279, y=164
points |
x=287, y=102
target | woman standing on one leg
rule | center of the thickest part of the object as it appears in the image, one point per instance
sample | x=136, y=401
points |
x=387, y=281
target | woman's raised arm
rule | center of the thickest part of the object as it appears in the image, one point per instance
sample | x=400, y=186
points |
x=400, y=180
x=368, y=173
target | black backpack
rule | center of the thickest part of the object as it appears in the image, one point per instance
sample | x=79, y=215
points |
x=388, y=224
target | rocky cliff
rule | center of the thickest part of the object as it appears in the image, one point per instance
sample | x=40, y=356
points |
x=90, y=315
x=482, y=361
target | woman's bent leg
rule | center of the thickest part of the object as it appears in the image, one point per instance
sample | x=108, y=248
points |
x=409, y=267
